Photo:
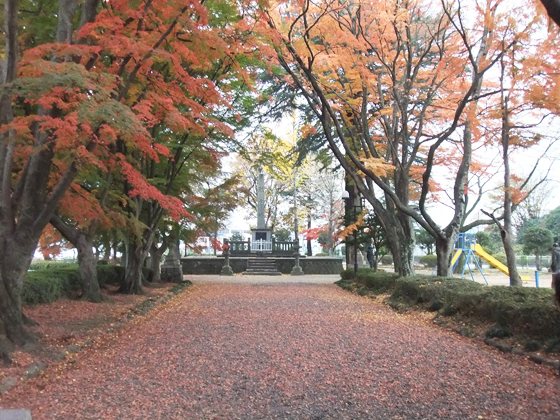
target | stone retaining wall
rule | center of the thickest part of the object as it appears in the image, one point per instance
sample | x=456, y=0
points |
x=213, y=265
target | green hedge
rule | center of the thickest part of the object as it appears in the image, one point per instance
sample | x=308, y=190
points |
x=525, y=310
x=43, y=265
x=429, y=261
x=53, y=281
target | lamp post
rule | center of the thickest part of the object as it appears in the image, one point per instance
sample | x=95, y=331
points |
x=345, y=197
x=297, y=270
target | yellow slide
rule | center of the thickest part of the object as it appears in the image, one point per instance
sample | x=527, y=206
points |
x=456, y=257
x=493, y=261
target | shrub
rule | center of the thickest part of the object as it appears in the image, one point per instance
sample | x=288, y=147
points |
x=48, y=285
x=429, y=261
x=43, y=265
x=498, y=332
x=528, y=311
x=347, y=274
x=57, y=280
x=387, y=260
x=110, y=274
x=378, y=282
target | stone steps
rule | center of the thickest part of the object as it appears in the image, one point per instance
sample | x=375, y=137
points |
x=261, y=267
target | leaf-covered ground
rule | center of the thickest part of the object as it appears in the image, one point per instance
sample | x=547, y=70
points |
x=70, y=322
x=289, y=351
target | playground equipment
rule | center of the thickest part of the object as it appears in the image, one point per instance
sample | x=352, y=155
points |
x=466, y=244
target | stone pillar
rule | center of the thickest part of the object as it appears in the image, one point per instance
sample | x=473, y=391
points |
x=260, y=201
x=226, y=269
x=171, y=270
x=297, y=270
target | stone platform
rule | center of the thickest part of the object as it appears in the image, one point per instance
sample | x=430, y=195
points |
x=213, y=265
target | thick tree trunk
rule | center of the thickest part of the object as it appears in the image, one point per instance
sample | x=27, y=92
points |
x=66, y=12
x=15, y=258
x=88, y=268
x=135, y=258
x=538, y=262
x=83, y=242
x=444, y=252
x=89, y=11
x=132, y=283
x=406, y=245
x=155, y=261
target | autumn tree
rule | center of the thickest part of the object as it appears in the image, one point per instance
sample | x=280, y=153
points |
x=391, y=83
x=94, y=98
x=520, y=125
x=52, y=117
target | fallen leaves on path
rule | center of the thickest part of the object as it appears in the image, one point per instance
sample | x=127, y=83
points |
x=68, y=322
x=224, y=351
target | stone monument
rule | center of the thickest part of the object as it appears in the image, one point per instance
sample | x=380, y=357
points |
x=261, y=237
x=226, y=269
x=171, y=270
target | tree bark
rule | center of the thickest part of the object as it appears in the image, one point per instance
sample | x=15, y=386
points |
x=506, y=229
x=132, y=283
x=309, y=249
x=15, y=259
x=87, y=261
x=89, y=11
x=538, y=262
x=88, y=269
x=66, y=12
x=135, y=256
x=444, y=252
x=155, y=261
x=507, y=239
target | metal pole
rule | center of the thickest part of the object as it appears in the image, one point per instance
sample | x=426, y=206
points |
x=355, y=243
x=537, y=277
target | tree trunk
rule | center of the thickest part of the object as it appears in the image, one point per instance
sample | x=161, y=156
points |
x=309, y=249
x=155, y=261
x=88, y=268
x=14, y=262
x=406, y=257
x=400, y=238
x=135, y=257
x=83, y=242
x=132, y=283
x=507, y=239
x=89, y=11
x=444, y=252
x=538, y=262
x=66, y=11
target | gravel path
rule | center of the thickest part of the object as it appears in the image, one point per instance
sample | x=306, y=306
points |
x=281, y=350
